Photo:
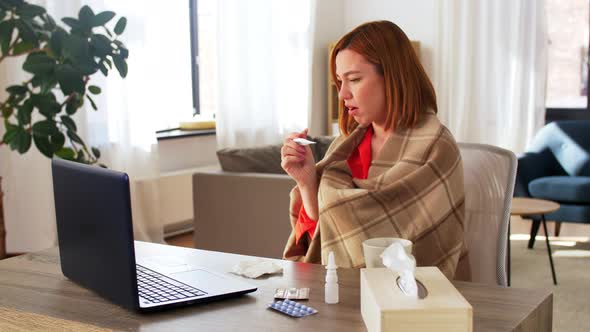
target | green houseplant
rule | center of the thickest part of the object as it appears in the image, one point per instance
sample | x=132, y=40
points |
x=60, y=60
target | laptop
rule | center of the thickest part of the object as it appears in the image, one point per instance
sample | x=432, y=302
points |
x=95, y=234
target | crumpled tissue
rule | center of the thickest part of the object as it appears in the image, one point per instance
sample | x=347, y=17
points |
x=256, y=268
x=395, y=258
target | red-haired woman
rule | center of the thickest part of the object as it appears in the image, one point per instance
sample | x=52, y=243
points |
x=395, y=170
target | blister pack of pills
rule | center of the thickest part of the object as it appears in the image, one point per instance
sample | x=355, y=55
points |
x=292, y=293
x=292, y=308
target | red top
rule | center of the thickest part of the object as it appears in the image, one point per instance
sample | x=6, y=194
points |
x=359, y=163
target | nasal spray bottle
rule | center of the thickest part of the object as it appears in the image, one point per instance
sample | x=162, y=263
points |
x=331, y=288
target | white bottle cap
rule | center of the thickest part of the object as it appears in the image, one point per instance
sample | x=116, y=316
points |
x=331, y=261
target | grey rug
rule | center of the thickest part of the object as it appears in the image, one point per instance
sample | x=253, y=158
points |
x=571, y=296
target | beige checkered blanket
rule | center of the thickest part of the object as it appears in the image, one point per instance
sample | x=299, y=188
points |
x=414, y=191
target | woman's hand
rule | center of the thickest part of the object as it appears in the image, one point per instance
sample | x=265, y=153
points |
x=298, y=162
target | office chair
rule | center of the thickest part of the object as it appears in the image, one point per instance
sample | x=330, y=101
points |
x=489, y=174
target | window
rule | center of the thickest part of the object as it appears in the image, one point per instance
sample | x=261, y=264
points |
x=567, y=72
x=191, y=65
x=203, y=25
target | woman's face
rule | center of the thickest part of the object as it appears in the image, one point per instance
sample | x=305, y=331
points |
x=362, y=88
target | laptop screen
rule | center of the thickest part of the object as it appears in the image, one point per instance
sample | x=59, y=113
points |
x=95, y=232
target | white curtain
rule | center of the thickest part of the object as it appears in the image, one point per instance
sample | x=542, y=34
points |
x=264, y=70
x=490, y=70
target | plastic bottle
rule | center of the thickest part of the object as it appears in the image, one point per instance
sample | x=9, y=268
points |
x=331, y=287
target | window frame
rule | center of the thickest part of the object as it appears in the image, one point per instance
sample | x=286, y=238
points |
x=194, y=35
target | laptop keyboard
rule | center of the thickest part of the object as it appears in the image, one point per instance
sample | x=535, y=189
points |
x=155, y=287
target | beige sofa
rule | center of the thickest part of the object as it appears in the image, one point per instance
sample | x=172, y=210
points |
x=244, y=208
x=242, y=213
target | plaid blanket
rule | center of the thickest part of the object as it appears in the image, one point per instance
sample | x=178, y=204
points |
x=414, y=191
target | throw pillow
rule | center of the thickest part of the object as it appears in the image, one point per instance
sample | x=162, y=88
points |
x=266, y=159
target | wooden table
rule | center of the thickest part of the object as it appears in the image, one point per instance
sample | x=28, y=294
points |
x=523, y=207
x=34, y=295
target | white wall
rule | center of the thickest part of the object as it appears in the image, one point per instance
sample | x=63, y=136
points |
x=30, y=223
x=416, y=18
x=329, y=26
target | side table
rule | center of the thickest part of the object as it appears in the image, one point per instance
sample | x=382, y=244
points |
x=529, y=207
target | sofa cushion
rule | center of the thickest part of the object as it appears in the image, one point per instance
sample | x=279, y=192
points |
x=265, y=159
x=570, y=189
x=569, y=141
x=322, y=144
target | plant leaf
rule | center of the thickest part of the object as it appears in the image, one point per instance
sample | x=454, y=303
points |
x=38, y=63
x=71, y=22
x=94, y=89
x=14, y=3
x=92, y=102
x=46, y=104
x=7, y=111
x=103, y=68
x=30, y=11
x=73, y=104
x=120, y=26
x=22, y=141
x=57, y=40
x=81, y=157
x=49, y=22
x=70, y=80
x=17, y=89
x=6, y=31
x=66, y=153
x=121, y=66
x=74, y=137
x=42, y=143
x=24, y=113
x=69, y=123
x=10, y=134
x=57, y=141
x=75, y=48
x=45, y=128
x=86, y=15
x=22, y=47
x=124, y=52
x=47, y=83
x=26, y=32
x=102, y=18
x=101, y=44
x=96, y=152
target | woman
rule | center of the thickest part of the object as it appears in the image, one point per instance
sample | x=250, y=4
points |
x=395, y=170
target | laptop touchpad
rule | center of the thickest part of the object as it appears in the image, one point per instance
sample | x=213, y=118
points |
x=201, y=279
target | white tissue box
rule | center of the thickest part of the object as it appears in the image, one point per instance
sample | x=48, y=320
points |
x=385, y=308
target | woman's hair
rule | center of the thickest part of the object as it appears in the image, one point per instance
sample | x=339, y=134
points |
x=408, y=90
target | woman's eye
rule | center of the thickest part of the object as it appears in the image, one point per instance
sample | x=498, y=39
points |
x=355, y=79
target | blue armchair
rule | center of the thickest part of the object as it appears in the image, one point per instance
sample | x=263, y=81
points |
x=557, y=168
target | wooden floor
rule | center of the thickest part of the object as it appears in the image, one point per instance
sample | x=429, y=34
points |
x=182, y=240
x=523, y=226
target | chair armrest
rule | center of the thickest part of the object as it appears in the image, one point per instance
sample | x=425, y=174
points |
x=243, y=213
